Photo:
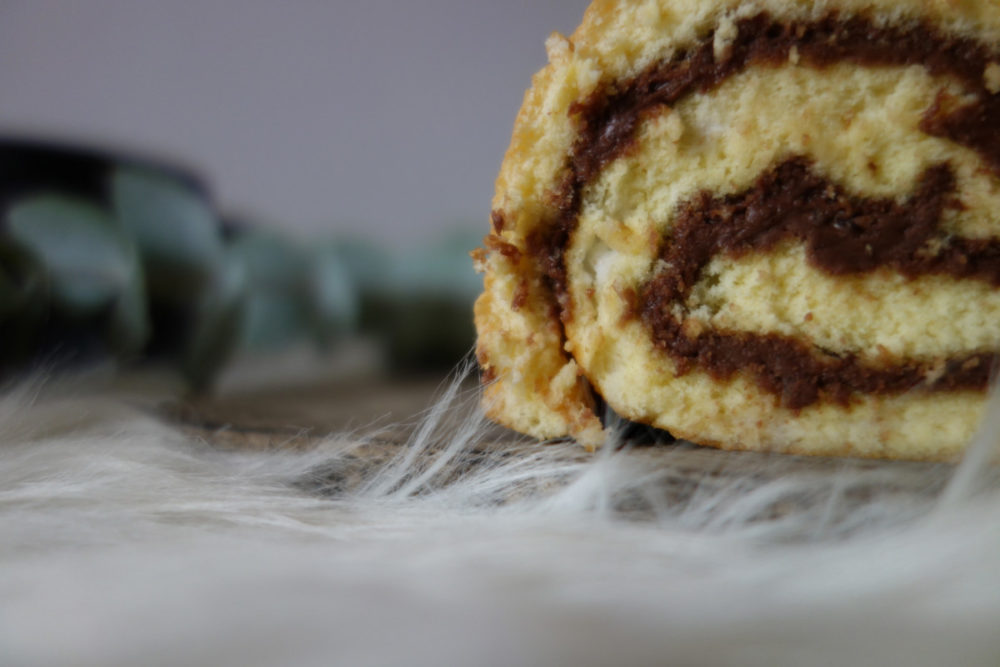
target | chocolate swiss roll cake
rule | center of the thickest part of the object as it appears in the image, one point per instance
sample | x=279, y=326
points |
x=764, y=225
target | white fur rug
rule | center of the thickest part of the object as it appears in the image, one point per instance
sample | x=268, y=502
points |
x=125, y=542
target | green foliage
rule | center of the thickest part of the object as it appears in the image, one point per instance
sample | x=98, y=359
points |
x=101, y=273
x=276, y=272
x=23, y=301
x=219, y=320
x=87, y=258
x=174, y=227
x=334, y=297
x=22, y=280
x=418, y=303
x=90, y=265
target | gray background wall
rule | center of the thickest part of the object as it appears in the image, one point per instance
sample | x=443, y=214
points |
x=380, y=117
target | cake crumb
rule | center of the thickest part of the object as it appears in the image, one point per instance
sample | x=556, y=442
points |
x=725, y=35
x=674, y=126
x=693, y=328
x=558, y=48
x=935, y=371
x=991, y=78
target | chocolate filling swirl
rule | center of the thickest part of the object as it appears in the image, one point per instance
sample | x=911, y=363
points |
x=842, y=233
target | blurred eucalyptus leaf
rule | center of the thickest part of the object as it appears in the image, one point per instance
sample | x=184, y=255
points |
x=369, y=265
x=441, y=269
x=277, y=288
x=176, y=230
x=89, y=262
x=271, y=260
x=129, y=327
x=334, y=299
x=432, y=312
x=218, y=322
x=22, y=280
x=371, y=271
x=419, y=303
x=23, y=302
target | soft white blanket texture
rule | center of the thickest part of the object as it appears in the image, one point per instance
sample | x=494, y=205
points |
x=124, y=541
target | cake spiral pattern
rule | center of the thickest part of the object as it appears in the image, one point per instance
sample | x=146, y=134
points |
x=764, y=225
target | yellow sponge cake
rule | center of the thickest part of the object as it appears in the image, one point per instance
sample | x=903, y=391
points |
x=768, y=225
